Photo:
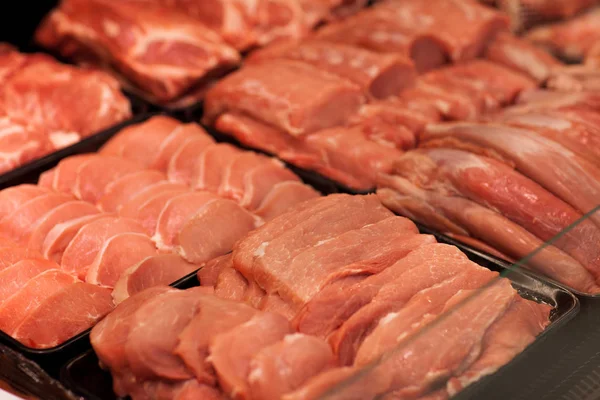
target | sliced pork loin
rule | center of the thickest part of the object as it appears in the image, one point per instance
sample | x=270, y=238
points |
x=180, y=135
x=13, y=197
x=95, y=174
x=18, y=274
x=282, y=197
x=183, y=164
x=232, y=183
x=64, y=174
x=119, y=191
x=9, y=255
x=209, y=169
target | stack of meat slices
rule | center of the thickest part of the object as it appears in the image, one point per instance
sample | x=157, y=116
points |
x=310, y=298
x=41, y=106
x=514, y=181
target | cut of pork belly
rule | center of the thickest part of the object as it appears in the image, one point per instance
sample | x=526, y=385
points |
x=65, y=173
x=10, y=255
x=214, y=230
x=506, y=338
x=17, y=307
x=379, y=75
x=184, y=161
x=282, y=197
x=182, y=134
x=571, y=39
x=574, y=78
x=68, y=312
x=119, y=191
x=232, y=182
x=20, y=143
x=522, y=56
x=18, y=274
x=165, y=54
x=215, y=316
x=174, y=215
x=132, y=206
x=96, y=173
x=210, y=166
x=23, y=220
x=162, y=269
x=85, y=245
x=117, y=255
x=13, y=197
x=549, y=164
x=62, y=213
x=231, y=352
x=286, y=365
x=494, y=184
x=317, y=100
x=506, y=236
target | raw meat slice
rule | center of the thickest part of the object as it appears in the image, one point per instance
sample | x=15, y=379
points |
x=121, y=190
x=16, y=308
x=562, y=172
x=158, y=270
x=65, y=173
x=592, y=58
x=214, y=317
x=94, y=175
x=336, y=302
x=13, y=278
x=520, y=55
x=550, y=100
x=20, y=143
x=574, y=78
x=163, y=67
x=184, y=162
x=117, y=255
x=209, y=169
x=345, y=381
x=232, y=352
x=214, y=230
x=174, y=215
x=149, y=212
x=507, y=337
x=259, y=181
x=571, y=39
x=131, y=206
x=89, y=240
x=5, y=241
x=183, y=390
x=231, y=285
x=363, y=251
x=232, y=182
x=46, y=178
x=527, y=13
x=12, y=255
x=60, y=236
x=176, y=139
x=150, y=355
x=379, y=75
x=209, y=272
x=274, y=303
x=317, y=100
x=275, y=254
x=137, y=142
x=282, y=197
x=496, y=230
x=24, y=219
x=65, y=212
x=65, y=314
x=13, y=197
x=286, y=365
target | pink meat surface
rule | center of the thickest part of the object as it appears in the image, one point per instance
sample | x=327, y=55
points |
x=121, y=190
x=97, y=173
x=210, y=167
x=10, y=255
x=13, y=278
x=169, y=146
x=13, y=197
x=232, y=182
x=282, y=197
x=184, y=162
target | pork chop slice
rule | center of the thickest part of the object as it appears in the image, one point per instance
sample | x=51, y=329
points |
x=13, y=197
x=119, y=191
x=133, y=204
x=209, y=169
x=259, y=181
x=9, y=255
x=13, y=278
x=177, y=138
x=232, y=183
x=282, y=196
x=184, y=161
x=94, y=175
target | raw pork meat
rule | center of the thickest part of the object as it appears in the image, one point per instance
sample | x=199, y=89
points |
x=232, y=181
x=11, y=255
x=64, y=174
x=121, y=190
x=259, y=181
x=17, y=275
x=208, y=274
x=282, y=197
x=134, y=204
x=94, y=175
x=182, y=134
x=161, y=52
x=209, y=168
x=574, y=78
x=13, y=197
x=316, y=100
x=149, y=212
x=526, y=13
x=20, y=143
x=184, y=162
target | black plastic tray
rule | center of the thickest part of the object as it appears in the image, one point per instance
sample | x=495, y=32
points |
x=84, y=376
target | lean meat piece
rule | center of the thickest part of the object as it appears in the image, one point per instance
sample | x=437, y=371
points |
x=149, y=212
x=493, y=184
x=592, y=58
x=215, y=316
x=209, y=168
x=231, y=353
x=89, y=240
x=161, y=52
x=330, y=10
x=574, y=78
x=317, y=100
x=60, y=236
x=132, y=206
x=117, y=255
x=64, y=174
x=16, y=308
x=121, y=190
x=282, y=197
x=520, y=55
x=189, y=389
x=174, y=215
x=232, y=182
x=487, y=225
x=232, y=285
x=506, y=338
x=21, y=222
x=534, y=100
x=21, y=143
x=13, y=197
x=208, y=274
x=97, y=173
x=214, y=230
x=259, y=181
x=13, y=278
x=184, y=162
x=182, y=134
x=571, y=39
x=11, y=255
x=286, y=365
x=63, y=213
x=162, y=269
x=379, y=75
x=65, y=314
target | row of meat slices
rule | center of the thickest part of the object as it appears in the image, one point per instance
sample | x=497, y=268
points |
x=309, y=299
